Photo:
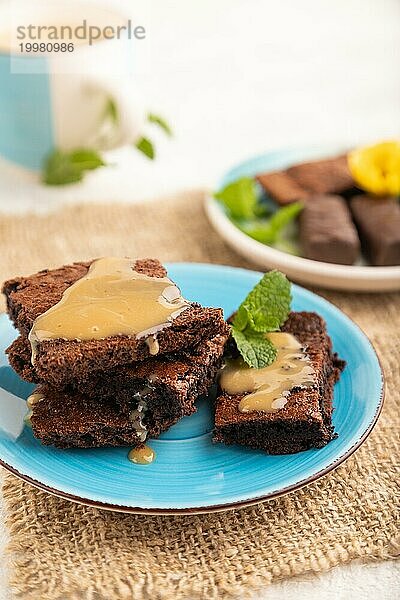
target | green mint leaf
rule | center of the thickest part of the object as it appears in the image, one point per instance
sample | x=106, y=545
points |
x=146, y=147
x=262, y=210
x=86, y=160
x=264, y=309
x=267, y=305
x=111, y=111
x=241, y=318
x=257, y=350
x=239, y=197
x=61, y=168
x=268, y=231
x=161, y=122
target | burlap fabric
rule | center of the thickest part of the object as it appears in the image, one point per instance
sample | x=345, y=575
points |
x=60, y=550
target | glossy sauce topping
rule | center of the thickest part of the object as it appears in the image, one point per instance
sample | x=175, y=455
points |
x=136, y=416
x=30, y=402
x=34, y=399
x=153, y=345
x=267, y=389
x=112, y=299
x=144, y=455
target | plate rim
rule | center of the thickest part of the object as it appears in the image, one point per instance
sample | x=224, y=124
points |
x=313, y=266
x=236, y=504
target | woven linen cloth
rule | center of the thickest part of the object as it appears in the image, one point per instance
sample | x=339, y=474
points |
x=59, y=550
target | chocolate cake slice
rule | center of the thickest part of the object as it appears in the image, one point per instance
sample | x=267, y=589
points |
x=168, y=384
x=305, y=420
x=59, y=362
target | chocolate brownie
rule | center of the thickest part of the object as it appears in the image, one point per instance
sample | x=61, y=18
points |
x=328, y=176
x=59, y=361
x=169, y=383
x=281, y=187
x=327, y=232
x=301, y=181
x=378, y=222
x=69, y=420
x=144, y=400
x=305, y=421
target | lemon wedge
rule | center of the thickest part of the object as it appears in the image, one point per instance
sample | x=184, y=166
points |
x=376, y=169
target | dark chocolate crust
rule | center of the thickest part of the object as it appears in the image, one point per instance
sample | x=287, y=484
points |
x=327, y=232
x=59, y=362
x=179, y=378
x=173, y=380
x=71, y=418
x=378, y=223
x=71, y=421
x=305, y=421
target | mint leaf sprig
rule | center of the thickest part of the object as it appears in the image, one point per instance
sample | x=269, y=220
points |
x=144, y=144
x=265, y=309
x=160, y=122
x=239, y=198
x=268, y=231
x=251, y=212
x=146, y=147
x=63, y=167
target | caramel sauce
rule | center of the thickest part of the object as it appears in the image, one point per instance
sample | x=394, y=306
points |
x=267, y=389
x=153, y=345
x=34, y=399
x=136, y=416
x=144, y=455
x=112, y=299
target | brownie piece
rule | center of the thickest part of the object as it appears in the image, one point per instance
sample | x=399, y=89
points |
x=69, y=420
x=299, y=182
x=328, y=176
x=149, y=398
x=281, y=187
x=305, y=421
x=171, y=381
x=378, y=223
x=327, y=232
x=59, y=362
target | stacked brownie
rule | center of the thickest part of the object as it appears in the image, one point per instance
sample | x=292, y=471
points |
x=111, y=391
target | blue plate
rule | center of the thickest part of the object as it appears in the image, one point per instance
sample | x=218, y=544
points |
x=190, y=473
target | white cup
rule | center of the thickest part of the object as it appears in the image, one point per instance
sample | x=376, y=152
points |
x=58, y=99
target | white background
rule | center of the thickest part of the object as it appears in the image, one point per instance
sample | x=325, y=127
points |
x=236, y=78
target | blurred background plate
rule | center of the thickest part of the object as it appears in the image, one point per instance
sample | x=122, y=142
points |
x=357, y=278
x=190, y=473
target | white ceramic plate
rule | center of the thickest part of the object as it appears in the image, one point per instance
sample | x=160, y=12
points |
x=358, y=278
